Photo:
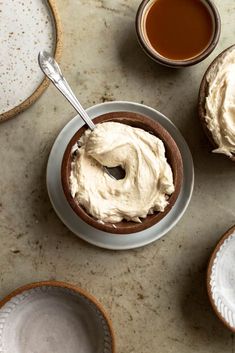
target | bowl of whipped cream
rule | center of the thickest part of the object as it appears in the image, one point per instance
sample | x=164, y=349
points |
x=217, y=103
x=152, y=179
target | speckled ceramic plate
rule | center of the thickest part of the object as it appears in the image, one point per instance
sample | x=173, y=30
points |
x=221, y=279
x=57, y=317
x=98, y=237
x=26, y=28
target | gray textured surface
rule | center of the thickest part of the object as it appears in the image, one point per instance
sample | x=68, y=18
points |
x=156, y=296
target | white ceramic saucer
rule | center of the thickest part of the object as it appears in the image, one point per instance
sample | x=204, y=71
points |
x=97, y=237
x=221, y=279
x=57, y=317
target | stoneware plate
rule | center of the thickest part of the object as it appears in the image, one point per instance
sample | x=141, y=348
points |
x=26, y=28
x=221, y=279
x=53, y=317
x=98, y=237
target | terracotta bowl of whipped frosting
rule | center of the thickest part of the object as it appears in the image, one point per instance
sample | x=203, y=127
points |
x=217, y=103
x=152, y=178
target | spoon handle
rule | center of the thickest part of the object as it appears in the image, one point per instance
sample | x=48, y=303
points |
x=52, y=70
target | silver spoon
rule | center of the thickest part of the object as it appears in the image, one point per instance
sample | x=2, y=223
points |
x=52, y=70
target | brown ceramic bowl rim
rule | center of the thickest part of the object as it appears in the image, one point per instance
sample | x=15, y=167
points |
x=176, y=163
x=208, y=276
x=203, y=92
x=71, y=287
x=177, y=63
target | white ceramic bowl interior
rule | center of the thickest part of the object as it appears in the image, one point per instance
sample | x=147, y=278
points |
x=50, y=319
x=222, y=281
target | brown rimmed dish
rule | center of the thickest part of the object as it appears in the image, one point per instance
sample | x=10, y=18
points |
x=54, y=316
x=219, y=302
x=203, y=93
x=52, y=6
x=153, y=54
x=173, y=156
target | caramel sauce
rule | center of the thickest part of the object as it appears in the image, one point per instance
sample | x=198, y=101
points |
x=179, y=29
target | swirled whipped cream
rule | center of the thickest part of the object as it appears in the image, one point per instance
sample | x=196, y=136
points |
x=148, y=181
x=220, y=104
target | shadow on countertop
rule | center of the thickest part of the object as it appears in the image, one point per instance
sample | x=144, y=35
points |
x=138, y=63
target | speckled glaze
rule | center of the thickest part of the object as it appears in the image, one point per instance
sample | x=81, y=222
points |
x=26, y=28
x=156, y=294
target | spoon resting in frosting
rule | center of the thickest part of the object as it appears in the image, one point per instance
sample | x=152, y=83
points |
x=148, y=180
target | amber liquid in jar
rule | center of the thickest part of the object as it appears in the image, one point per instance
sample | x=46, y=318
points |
x=179, y=29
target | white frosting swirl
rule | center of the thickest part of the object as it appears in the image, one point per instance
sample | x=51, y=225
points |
x=146, y=185
x=220, y=104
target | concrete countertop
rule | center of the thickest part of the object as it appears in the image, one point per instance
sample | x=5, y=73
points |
x=156, y=296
